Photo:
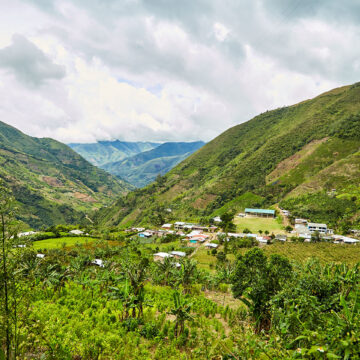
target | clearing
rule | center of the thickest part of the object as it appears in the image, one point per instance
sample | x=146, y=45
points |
x=254, y=224
x=57, y=243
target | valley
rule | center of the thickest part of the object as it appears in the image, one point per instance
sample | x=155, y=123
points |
x=210, y=253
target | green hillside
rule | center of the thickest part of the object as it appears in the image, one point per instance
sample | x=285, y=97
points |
x=143, y=168
x=305, y=151
x=51, y=183
x=104, y=152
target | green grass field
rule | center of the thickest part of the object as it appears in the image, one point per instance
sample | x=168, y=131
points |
x=58, y=242
x=257, y=223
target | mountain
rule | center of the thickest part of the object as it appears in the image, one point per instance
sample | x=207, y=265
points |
x=305, y=156
x=104, y=152
x=52, y=183
x=142, y=169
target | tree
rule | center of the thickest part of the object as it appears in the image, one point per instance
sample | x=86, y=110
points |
x=256, y=280
x=187, y=273
x=7, y=272
x=288, y=228
x=227, y=224
x=181, y=311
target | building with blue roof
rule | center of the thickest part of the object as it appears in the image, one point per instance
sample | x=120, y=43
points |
x=260, y=212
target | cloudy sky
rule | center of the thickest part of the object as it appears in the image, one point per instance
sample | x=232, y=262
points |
x=167, y=70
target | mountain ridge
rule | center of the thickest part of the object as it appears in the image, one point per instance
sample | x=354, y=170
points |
x=142, y=168
x=51, y=182
x=231, y=171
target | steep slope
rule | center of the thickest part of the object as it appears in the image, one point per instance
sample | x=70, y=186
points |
x=51, y=182
x=104, y=152
x=274, y=156
x=142, y=169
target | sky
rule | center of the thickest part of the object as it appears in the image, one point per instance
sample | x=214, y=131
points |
x=167, y=70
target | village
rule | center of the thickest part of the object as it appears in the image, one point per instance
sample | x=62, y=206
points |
x=196, y=236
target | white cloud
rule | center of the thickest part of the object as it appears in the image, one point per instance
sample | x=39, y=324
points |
x=221, y=31
x=80, y=71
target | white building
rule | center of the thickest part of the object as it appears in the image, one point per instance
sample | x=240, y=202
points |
x=178, y=253
x=76, y=232
x=321, y=228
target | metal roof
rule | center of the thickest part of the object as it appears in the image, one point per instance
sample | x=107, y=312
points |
x=261, y=211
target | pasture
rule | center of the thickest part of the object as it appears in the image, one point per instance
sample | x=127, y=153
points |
x=56, y=243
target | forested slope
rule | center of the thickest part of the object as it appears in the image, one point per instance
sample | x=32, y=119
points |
x=51, y=183
x=288, y=153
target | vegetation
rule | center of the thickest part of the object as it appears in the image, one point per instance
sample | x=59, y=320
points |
x=280, y=154
x=50, y=182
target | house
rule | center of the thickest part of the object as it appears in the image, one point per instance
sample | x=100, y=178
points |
x=262, y=240
x=178, y=254
x=98, y=262
x=28, y=233
x=40, y=256
x=344, y=239
x=167, y=226
x=76, y=232
x=160, y=256
x=138, y=229
x=211, y=246
x=194, y=233
x=285, y=212
x=281, y=237
x=179, y=225
x=145, y=234
x=301, y=221
x=321, y=228
x=260, y=213
x=305, y=236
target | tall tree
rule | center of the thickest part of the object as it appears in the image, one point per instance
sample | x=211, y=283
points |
x=7, y=230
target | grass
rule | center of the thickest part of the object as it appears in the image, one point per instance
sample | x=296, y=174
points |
x=58, y=242
x=257, y=223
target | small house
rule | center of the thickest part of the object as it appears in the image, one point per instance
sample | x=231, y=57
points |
x=167, y=226
x=211, y=246
x=217, y=219
x=76, y=232
x=27, y=233
x=281, y=237
x=145, y=234
x=178, y=254
x=40, y=256
x=160, y=256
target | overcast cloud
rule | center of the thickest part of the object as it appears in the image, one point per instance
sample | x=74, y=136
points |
x=167, y=70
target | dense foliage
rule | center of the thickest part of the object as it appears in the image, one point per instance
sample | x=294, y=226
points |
x=51, y=183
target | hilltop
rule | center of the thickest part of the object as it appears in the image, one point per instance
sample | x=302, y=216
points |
x=143, y=168
x=305, y=156
x=52, y=183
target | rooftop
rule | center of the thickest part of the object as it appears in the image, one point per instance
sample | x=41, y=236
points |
x=260, y=211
